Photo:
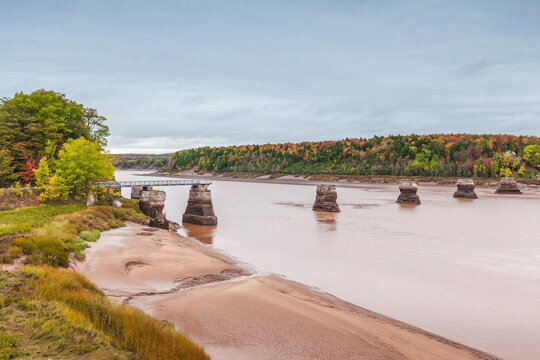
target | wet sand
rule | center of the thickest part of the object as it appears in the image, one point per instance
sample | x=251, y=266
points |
x=236, y=314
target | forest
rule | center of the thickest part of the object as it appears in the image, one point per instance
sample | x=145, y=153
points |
x=141, y=161
x=439, y=155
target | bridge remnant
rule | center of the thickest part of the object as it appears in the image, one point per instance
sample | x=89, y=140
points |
x=136, y=191
x=199, y=210
x=151, y=203
x=326, y=198
x=465, y=189
x=408, y=194
x=508, y=185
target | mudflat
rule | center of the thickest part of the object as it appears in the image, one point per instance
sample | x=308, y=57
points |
x=238, y=314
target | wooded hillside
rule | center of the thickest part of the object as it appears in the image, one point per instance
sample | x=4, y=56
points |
x=446, y=155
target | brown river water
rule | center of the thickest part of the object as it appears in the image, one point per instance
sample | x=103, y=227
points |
x=468, y=270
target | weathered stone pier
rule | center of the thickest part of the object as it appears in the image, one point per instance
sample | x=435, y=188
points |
x=151, y=203
x=465, y=189
x=408, y=190
x=326, y=198
x=508, y=185
x=199, y=209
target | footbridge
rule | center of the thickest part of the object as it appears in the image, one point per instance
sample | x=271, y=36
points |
x=199, y=209
x=151, y=183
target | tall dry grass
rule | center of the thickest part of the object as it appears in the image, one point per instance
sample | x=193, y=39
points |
x=129, y=328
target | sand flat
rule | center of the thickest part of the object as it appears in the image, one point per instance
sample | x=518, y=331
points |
x=262, y=317
x=137, y=259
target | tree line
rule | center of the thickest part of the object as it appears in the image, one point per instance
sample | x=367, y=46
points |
x=444, y=155
x=141, y=161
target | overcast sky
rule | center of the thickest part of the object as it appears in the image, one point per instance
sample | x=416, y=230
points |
x=180, y=74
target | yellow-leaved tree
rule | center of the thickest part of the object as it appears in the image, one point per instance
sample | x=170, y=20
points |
x=531, y=154
x=79, y=165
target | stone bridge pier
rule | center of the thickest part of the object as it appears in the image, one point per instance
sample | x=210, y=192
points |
x=508, y=185
x=465, y=189
x=408, y=193
x=136, y=191
x=151, y=203
x=326, y=198
x=199, y=210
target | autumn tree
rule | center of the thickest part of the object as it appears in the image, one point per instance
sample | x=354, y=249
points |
x=26, y=170
x=531, y=154
x=79, y=165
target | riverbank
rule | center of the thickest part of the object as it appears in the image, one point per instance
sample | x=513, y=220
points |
x=235, y=313
x=340, y=180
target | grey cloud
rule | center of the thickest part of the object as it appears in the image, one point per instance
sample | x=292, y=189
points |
x=187, y=73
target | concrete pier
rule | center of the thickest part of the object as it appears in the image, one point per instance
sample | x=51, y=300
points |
x=465, y=189
x=151, y=203
x=408, y=190
x=508, y=185
x=199, y=209
x=326, y=198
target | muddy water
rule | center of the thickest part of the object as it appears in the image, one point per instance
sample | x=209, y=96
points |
x=467, y=270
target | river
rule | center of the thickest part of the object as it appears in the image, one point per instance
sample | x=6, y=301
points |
x=466, y=270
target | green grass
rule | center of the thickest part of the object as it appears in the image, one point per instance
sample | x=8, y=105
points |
x=48, y=234
x=92, y=235
x=53, y=242
x=24, y=219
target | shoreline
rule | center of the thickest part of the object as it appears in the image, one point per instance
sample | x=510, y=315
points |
x=343, y=182
x=237, y=313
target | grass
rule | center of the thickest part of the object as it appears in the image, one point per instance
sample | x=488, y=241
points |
x=24, y=219
x=51, y=243
x=40, y=329
x=52, y=313
x=92, y=235
x=47, y=312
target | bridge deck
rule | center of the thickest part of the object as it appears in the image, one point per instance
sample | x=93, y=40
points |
x=178, y=182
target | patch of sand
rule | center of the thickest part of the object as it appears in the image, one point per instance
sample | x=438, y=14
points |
x=140, y=260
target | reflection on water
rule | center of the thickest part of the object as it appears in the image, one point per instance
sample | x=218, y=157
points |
x=326, y=220
x=407, y=207
x=288, y=203
x=204, y=234
x=464, y=200
x=467, y=270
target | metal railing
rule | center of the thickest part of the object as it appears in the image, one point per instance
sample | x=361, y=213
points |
x=180, y=182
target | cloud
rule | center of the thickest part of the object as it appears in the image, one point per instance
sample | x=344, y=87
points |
x=184, y=74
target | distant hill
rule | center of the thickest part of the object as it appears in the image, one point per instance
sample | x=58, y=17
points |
x=141, y=161
x=448, y=155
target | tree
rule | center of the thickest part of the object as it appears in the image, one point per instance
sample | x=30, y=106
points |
x=27, y=170
x=79, y=165
x=6, y=167
x=98, y=130
x=531, y=155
